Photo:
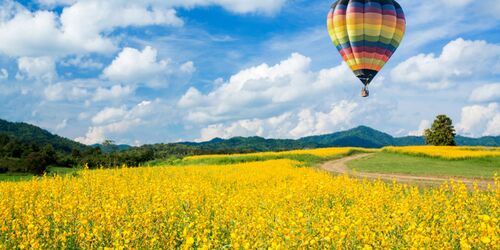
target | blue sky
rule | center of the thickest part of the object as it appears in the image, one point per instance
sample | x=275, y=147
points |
x=151, y=71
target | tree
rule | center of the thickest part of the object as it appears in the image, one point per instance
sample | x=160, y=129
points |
x=49, y=154
x=442, y=132
x=37, y=163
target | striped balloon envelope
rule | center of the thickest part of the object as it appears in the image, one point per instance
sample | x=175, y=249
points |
x=366, y=33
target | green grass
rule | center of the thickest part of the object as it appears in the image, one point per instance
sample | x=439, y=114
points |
x=305, y=160
x=15, y=177
x=52, y=170
x=386, y=162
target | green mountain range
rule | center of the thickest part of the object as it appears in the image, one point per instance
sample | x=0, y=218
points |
x=358, y=137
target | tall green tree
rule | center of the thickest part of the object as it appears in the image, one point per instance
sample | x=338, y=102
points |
x=442, y=132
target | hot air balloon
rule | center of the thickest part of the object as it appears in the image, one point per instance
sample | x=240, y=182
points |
x=366, y=33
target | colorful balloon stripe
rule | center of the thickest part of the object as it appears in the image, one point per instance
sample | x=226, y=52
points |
x=366, y=33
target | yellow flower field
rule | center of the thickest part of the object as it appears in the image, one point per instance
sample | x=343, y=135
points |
x=321, y=152
x=260, y=205
x=448, y=152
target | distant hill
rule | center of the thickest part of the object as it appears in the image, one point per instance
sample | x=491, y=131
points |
x=251, y=144
x=358, y=137
x=361, y=136
x=27, y=133
x=488, y=141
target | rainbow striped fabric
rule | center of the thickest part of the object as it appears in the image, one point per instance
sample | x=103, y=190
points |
x=366, y=33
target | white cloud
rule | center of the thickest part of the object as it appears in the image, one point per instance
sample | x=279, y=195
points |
x=4, y=74
x=80, y=28
x=62, y=125
x=314, y=123
x=486, y=93
x=82, y=62
x=112, y=121
x=115, y=92
x=54, y=92
x=33, y=34
x=38, y=68
x=84, y=21
x=8, y=9
x=460, y=60
x=77, y=91
x=85, y=26
x=237, y=6
x=64, y=91
x=143, y=67
x=109, y=115
x=56, y=2
x=461, y=17
x=304, y=122
x=424, y=124
x=188, y=68
x=258, y=90
x=493, y=127
x=99, y=134
x=479, y=120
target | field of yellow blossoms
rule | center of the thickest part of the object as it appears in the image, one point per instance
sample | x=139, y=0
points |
x=320, y=152
x=448, y=152
x=259, y=205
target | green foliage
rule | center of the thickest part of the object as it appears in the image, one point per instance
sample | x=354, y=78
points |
x=362, y=136
x=26, y=148
x=26, y=133
x=16, y=156
x=15, y=177
x=37, y=163
x=358, y=137
x=442, y=132
x=387, y=162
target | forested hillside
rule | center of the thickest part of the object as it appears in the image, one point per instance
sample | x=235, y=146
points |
x=27, y=133
x=27, y=148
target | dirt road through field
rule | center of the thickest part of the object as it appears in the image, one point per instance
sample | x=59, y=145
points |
x=339, y=167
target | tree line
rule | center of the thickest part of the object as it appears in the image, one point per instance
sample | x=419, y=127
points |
x=35, y=156
x=20, y=157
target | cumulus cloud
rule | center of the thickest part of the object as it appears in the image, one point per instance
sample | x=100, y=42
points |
x=237, y=6
x=115, y=92
x=493, y=127
x=79, y=28
x=144, y=67
x=254, y=91
x=460, y=60
x=84, y=26
x=304, y=122
x=64, y=91
x=82, y=62
x=477, y=120
x=33, y=34
x=38, y=68
x=486, y=93
x=54, y=92
x=111, y=121
x=109, y=115
x=424, y=124
x=62, y=125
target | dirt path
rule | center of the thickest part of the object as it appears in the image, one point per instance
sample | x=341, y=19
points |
x=339, y=167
